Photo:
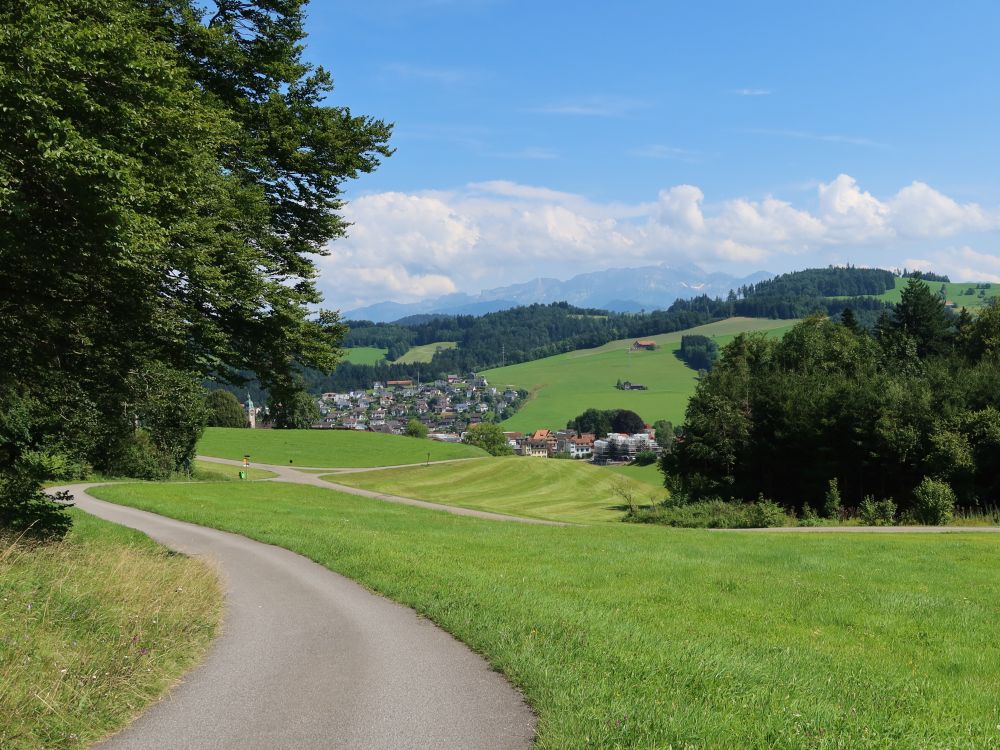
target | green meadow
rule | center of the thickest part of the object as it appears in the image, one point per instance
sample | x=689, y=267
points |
x=331, y=448
x=364, y=355
x=94, y=628
x=650, y=473
x=563, y=386
x=957, y=292
x=641, y=637
x=424, y=352
x=207, y=471
x=570, y=491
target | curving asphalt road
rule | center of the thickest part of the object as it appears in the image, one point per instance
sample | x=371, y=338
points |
x=310, y=660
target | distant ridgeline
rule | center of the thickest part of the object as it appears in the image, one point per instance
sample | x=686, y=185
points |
x=536, y=331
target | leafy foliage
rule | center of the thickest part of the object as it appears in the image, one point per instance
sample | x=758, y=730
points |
x=933, y=502
x=416, y=429
x=875, y=413
x=167, y=172
x=490, y=438
x=601, y=422
x=224, y=410
x=698, y=352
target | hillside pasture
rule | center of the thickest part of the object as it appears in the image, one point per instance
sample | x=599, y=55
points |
x=554, y=490
x=957, y=292
x=640, y=637
x=327, y=448
x=563, y=386
x=424, y=352
x=364, y=355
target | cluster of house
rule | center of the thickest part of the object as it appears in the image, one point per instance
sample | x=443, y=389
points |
x=614, y=447
x=446, y=407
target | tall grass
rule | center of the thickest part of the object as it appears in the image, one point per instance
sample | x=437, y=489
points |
x=94, y=628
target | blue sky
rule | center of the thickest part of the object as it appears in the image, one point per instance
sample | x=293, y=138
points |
x=551, y=138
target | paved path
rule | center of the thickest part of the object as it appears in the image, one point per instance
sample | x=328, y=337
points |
x=297, y=476
x=310, y=660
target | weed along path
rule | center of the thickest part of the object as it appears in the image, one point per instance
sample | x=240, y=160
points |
x=295, y=476
x=309, y=659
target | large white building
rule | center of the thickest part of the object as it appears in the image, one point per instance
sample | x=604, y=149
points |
x=618, y=446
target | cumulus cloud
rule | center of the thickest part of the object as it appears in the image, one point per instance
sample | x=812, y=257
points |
x=410, y=246
x=960, y=264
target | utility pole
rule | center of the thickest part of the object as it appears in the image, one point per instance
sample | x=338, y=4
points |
x=503, y=355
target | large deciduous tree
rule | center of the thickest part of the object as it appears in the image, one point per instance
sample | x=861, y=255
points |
x=168, y=172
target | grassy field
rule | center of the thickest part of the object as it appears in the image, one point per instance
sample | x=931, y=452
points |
x=424, y=352
x=93, y=629
x=650, y=474
x=364, y=355
x=535, y=487
x=637, y=637
x=333, y=448
x=954, y=292
x=565, y=385
x=206, y=471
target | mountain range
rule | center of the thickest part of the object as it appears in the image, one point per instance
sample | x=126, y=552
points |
x=616, y=289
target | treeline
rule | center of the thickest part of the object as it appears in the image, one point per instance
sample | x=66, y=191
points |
x=884, y=415
x=521, y=334
x=532, y=332
x=698, y=352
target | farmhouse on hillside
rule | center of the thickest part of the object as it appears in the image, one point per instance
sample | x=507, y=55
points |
x=643, y=344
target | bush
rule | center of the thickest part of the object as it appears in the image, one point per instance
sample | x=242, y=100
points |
x=933, y=502
x=711, y=514
x=415, y=429
x=765, y=514
x=224, y=410
x=832, y=504
x=809, y=517
x=137, y=456
x=24, y=507
x=645, y=458
x=877, y=513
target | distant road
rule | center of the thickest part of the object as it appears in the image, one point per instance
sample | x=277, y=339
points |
x=309, y=660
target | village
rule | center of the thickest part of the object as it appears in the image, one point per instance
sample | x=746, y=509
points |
x=449, y=407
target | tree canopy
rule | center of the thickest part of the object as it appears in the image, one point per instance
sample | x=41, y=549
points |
x=879, y=415
x=168, y=172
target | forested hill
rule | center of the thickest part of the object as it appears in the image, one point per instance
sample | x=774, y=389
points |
x=527, y=333
x=535, y=331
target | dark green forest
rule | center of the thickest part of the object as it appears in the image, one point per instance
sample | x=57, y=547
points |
x=915, y=403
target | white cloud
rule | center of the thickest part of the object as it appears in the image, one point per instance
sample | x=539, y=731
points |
x=803, y=135
x=593, y=106
x=751, y=92
x=851, y=213
x=960, y=264
x=408, y=246
x=920, y=210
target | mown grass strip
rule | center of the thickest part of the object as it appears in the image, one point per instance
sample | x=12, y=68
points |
x=93, y=629
x=634, y=637
x=554, y=490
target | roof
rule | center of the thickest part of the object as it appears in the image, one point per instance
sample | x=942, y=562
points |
x=646, y=343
